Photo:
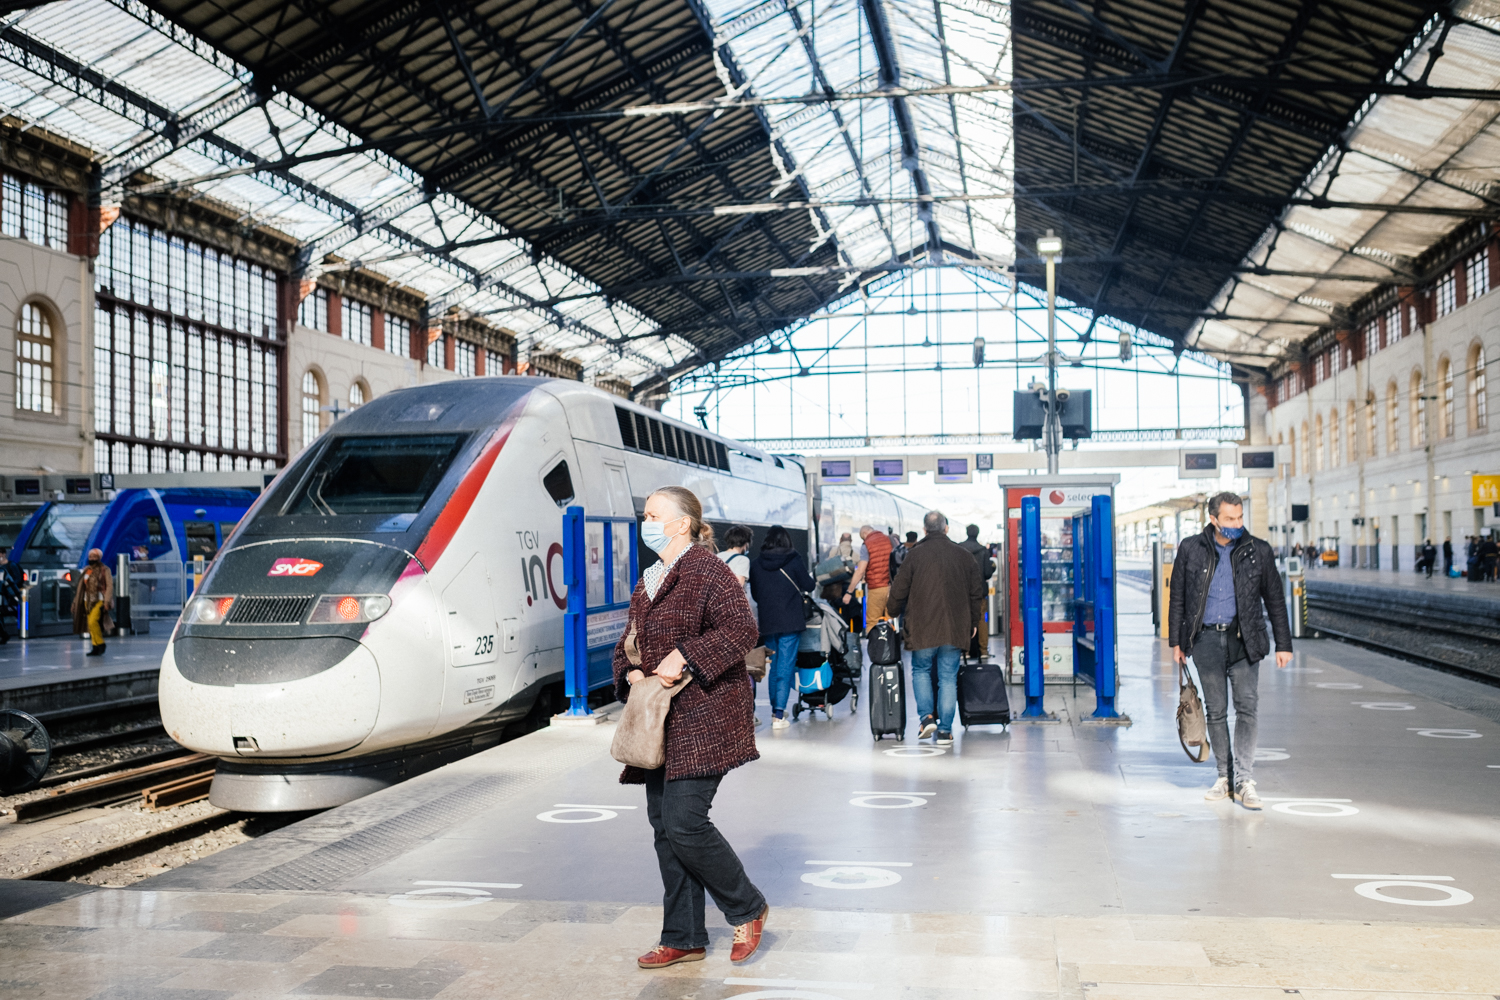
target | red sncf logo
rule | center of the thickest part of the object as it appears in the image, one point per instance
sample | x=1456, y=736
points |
x=294, y=566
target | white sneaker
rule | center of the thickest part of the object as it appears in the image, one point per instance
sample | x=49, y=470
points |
x=783, y=723
x=1248, y=796
x=1219, y=791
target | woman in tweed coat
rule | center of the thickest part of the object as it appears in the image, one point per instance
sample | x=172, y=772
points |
x=689, y=613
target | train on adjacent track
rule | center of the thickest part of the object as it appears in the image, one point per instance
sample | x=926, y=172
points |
x=395, y=598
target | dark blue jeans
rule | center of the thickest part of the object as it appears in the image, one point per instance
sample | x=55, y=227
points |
x=944, y=686
x=1219, y=679
x=694, y=856
x=783, y=647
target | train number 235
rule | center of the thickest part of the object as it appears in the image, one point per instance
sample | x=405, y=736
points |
x=484, y=644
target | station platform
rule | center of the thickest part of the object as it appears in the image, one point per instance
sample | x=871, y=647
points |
x=1406, y=580
x=50, y=675
x=1058, y=860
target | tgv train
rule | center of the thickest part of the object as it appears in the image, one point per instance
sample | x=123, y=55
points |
x=395, y=598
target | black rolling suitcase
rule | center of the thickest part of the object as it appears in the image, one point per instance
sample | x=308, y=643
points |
x=982, y=698
x=887, y=701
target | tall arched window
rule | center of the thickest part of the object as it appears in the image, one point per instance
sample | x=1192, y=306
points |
x=1291, y=440
x=1445, y=399
x=1479, y=403
x=1392, y=413
x=1335, y=441
x=1370, y=425
x=356, y=395
x=1319, y=456
x=1418, y=411
x=1351, y=427
x=34, y=364
x=1305, y=463
x=312, y=408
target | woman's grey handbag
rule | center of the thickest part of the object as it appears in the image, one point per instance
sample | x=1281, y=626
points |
x=1192, y=724
x=641, y=739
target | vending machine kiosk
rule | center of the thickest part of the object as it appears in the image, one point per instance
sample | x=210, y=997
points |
x=1064, y=506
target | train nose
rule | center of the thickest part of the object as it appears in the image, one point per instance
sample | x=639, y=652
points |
x=269, y=697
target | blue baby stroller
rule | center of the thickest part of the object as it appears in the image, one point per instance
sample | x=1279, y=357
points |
x=828, y=664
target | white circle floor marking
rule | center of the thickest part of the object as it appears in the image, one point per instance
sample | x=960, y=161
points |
x=431, y=899
x=915, y=751
x=1271, y=753
x=1338, y=685
x=852, y=877
x=901, y=800
x=1386, y=706
x=1320, y=808
x=1446, y=734
x=592, y=814
x=1371, y=889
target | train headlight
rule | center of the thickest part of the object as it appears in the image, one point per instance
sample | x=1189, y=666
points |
x=208, y=610
x=347, y=609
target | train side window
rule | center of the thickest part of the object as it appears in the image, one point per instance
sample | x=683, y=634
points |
x=703, y=450
x=695, y=447
x=778, y=462
x=559, y=484
x=226, y=528
x=627, y=427
x=153, y=531
x=642, y=433
x=656, y=445
x=684, y=447
x=201, y=540
x=669, y=432
x=723, y=455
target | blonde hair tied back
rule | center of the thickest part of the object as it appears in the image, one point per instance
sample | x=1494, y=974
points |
x=687, y=505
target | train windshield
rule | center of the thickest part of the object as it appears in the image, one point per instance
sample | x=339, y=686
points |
x=12, y=520
x=375, y=475
x=60, y=537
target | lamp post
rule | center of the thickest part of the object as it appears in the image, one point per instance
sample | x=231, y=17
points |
x=1049, y=247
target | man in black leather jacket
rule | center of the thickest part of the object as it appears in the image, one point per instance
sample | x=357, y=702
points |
x=1220, y=580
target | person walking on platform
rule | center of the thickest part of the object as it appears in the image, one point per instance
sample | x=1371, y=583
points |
x=1429, y=557
x=778, y=579
x=981, y=553
x=93, y=600
x=11, y=582
x=688, y=616
x=940, y=591
x=1447, y=557
x=874, y=571
x=1489, y=555
x=1220, y=580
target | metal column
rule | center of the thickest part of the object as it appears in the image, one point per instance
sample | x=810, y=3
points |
x=1031, y=605
x=575, y=619
x=1102, y=585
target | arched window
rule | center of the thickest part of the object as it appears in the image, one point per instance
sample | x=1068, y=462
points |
x=312, y=407
x=1418, y=411
x=1370, y=425
x=1479, y=404
x=1445, y=399
x=1351, y=427
x=1392, y=412
x=1304, y=464
x=34, y=364
x=1319, y=454
x=356, y=395
x=1335, y=441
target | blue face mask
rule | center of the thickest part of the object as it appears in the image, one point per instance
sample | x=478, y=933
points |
x=655, y=536
x=1231, y=533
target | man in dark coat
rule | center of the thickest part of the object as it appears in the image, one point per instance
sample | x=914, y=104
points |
x=980, y=647
x=942, y=595
x=1220, y=580
x=11, y=582
x=1448, y=557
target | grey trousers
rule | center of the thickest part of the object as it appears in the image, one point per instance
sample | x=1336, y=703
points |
x=1210, y=650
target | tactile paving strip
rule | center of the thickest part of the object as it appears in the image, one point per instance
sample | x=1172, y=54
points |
x=376, y=844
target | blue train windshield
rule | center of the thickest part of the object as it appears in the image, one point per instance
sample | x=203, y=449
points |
x=375, y=475
x=59, y=539
x=12, y=520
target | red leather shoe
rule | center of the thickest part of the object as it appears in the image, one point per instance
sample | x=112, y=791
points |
x=747, y=936
x=661, y=956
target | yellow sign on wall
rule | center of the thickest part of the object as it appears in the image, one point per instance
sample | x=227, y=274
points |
x=1486, y=490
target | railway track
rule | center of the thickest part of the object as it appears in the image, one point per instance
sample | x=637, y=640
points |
x=1472, y=651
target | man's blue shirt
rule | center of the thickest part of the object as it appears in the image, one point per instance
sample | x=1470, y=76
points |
x=1221, y=609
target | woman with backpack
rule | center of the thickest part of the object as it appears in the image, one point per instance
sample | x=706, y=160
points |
x=779, y=582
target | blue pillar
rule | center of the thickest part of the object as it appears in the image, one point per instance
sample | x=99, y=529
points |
x=575, y=619
x=1103, y=585
x=1031, y=604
